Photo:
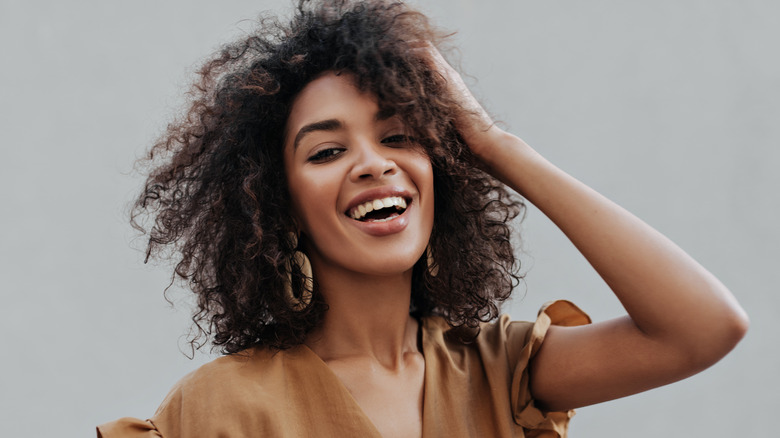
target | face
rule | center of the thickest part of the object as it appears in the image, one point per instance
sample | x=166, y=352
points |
x=362, y=191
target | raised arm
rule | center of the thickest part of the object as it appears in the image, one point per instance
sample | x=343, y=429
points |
x=680, y=318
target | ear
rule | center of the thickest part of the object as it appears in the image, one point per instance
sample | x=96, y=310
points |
x=296, y=233
x=292, y=227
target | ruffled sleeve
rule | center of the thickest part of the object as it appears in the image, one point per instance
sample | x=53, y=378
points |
x=128, y=428
x=537, y=422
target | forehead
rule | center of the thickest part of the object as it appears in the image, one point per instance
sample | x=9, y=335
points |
x=327, y=94
x=330, y=96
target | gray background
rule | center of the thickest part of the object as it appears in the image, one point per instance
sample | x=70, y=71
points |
x=669, y=107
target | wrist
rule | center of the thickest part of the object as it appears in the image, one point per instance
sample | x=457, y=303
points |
x=493, y=145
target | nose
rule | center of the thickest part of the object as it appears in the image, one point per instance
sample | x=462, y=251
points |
x=372, y=162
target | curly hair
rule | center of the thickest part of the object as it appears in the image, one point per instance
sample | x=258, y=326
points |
x=216, y=197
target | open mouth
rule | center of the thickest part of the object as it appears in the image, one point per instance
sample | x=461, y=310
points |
x=379, y=210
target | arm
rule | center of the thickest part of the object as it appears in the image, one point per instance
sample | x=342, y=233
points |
x=680, y=319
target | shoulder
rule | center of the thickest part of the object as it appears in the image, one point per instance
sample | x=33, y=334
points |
x=491, y=364
x=502, y=346
x=213, y=400
x=221, y=395
x=504, y=332
x=255, y=366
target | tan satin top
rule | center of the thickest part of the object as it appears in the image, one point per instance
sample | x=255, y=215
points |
x=471, y=390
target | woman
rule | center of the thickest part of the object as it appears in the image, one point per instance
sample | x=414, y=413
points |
x=333, y=195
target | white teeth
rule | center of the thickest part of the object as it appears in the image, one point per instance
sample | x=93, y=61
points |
x=361, y=210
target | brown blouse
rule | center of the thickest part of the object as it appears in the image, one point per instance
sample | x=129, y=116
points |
x=479, y=389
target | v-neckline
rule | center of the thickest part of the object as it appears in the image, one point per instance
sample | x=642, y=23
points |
x=331, y=375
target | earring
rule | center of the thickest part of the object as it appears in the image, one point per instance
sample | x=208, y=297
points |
x=300, y=262
x=433, y=267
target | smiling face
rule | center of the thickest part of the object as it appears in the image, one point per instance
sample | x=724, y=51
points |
x=362, y=192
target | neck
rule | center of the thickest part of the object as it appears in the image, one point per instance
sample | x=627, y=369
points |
x=367, y=318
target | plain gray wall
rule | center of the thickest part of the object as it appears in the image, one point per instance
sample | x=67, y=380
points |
x=668, y=107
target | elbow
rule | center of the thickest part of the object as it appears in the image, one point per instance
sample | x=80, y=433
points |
x=726, y=333
x=722, y=326
x=738, y=327
x=735, y=325
x=743, y=323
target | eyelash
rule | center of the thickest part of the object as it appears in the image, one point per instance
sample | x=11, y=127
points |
x=325, y=155
x=328, y=154
x=398, y=138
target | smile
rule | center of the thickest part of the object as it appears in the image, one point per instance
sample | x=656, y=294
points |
x=379, y=210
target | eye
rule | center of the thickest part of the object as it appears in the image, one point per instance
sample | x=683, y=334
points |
x=398, y=139
x=324, y=155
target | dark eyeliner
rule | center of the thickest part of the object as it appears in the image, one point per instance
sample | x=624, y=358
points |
x=324, y=155
x=398, y=138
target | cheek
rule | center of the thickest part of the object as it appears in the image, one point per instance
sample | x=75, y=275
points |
x=421, y=172
x=314, y=199
x=294, y=189
x=298, y=188
x=303, y=196
x=302, y=192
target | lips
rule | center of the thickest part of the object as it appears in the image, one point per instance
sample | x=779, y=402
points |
x=380, y=211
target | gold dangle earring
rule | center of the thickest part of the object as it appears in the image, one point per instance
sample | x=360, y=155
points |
x=301, y=262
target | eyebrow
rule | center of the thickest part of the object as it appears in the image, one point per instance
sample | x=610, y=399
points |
x=331, y=125
x=323, y=125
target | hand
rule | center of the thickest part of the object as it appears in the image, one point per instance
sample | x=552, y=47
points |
x=474, y=124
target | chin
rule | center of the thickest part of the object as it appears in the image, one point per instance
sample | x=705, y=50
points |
x=389, y=266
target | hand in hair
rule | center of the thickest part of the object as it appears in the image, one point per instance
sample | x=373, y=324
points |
x=680, y=318
x=474, y=124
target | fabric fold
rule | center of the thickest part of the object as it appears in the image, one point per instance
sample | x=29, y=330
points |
x=526, y=413
x=474, y=388
x=128, y=428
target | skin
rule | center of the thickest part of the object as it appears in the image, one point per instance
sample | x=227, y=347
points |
x=367, y=337
x=680, y=319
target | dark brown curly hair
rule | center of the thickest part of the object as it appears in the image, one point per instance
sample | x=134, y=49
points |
x=216, y=197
